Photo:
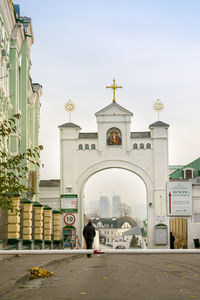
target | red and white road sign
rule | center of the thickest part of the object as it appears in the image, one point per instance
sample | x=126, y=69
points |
x=69, y=219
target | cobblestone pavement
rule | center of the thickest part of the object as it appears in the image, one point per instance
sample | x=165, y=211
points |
x=142, y=277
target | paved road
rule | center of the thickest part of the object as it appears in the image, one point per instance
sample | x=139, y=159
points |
x=152, y=277
x=14, y=269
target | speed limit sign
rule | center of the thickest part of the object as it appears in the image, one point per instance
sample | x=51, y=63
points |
x=69, y=219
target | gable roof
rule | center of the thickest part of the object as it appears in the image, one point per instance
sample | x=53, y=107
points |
x=159, y=124
x=115, y=105
x=69, y=124
x=50, y=183
x=178, y=174
x=133, y=231
x=110, y=222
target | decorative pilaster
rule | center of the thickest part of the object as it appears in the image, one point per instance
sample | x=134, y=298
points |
x=14, y=220
x=47, y=223
x=38, y=221
x=27, y=219
x=56, y=225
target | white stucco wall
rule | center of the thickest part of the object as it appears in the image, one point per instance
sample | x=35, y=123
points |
x=151, y=165
x=194, y=228
x=50, y=196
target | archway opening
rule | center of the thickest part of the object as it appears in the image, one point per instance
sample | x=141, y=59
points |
x=115, y=199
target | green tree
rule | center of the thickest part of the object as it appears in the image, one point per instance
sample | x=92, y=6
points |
x=133, y=242
x=14, y=168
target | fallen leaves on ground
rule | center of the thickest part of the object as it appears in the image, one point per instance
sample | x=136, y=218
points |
x=36, y=272
x=169, y=267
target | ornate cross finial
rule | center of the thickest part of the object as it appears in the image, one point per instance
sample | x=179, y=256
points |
x=114, y=87
x=69, y=107
x=158, y=107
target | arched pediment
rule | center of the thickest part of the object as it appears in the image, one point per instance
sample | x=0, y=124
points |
x=120, y=164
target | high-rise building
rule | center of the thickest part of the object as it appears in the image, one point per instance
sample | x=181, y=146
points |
x=116, y=201
x=104, y=206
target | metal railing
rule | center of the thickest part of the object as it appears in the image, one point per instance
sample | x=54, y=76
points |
x=104, y=251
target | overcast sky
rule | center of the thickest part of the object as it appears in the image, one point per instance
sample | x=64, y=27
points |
x=151, y=47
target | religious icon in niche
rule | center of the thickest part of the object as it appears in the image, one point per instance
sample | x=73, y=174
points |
x=114, y=136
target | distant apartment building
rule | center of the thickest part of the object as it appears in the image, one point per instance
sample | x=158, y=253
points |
x=116, y=201
x=111, y=229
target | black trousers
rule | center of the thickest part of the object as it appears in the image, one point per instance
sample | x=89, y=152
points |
x=89, y=243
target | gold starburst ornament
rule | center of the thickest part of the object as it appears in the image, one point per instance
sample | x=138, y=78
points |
x=69, y=106
x=158, y=106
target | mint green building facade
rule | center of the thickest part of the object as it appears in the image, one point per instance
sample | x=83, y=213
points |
x=17, y=92
x=31, y=224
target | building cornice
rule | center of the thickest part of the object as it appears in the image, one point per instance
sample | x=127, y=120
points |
x=8, y=15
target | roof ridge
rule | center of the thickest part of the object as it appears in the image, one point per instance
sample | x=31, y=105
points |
x=158, y=123
x=69, y=124
x=113, y=104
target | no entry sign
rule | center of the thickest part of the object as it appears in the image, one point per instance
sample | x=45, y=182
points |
x=69, y=219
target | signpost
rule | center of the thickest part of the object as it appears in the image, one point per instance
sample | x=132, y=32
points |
x=179, y=196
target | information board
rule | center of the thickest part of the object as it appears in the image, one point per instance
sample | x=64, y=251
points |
x=69, y=203
x=179, y=196
x=161, y=234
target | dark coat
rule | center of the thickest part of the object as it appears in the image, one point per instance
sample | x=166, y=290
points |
x=89, y=232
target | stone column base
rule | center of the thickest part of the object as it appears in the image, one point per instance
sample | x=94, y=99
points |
x=29, y=244
x=48, y=244
x=38, y=244
x=57, y=244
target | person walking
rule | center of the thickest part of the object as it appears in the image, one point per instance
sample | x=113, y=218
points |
x=172, y=240
x=89, y=234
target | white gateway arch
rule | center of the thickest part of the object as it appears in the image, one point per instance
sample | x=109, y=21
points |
x=115, y=146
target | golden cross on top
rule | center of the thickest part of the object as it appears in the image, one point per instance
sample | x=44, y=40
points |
x=114, y=87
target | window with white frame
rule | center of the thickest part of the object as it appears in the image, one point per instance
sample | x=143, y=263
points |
x=141, y=146
x=148, y=146
x=135, y=146
x=80, y=146
x=188, y=173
